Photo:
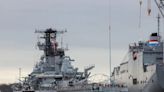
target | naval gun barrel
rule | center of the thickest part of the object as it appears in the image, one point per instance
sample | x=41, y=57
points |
x=87, y=69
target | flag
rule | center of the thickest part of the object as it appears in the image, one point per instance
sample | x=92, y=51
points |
x=153, y=43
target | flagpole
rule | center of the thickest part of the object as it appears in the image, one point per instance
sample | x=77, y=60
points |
x=110, y=58
x=110, y=68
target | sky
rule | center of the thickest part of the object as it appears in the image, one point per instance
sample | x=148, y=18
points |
x=87, y=23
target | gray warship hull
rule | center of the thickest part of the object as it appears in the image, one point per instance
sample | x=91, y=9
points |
x=84, y=88
x=114, y=89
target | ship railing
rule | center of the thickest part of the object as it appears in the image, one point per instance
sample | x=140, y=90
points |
x=94, y=87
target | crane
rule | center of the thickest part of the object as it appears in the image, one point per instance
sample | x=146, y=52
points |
x=160, y=5
x=149, y=7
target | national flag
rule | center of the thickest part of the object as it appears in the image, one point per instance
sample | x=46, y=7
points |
x=153, y=43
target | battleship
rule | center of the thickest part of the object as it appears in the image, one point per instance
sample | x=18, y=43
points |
x=55, y=73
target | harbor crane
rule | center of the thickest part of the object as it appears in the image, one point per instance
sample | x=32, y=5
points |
x=160, y=5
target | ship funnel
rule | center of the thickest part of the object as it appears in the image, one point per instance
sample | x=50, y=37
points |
x=154, y=36
x=154, y=39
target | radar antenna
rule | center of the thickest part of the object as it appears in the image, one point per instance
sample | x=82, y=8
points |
x=50, y=45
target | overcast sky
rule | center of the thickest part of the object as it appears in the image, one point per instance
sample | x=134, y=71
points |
x=87, y=22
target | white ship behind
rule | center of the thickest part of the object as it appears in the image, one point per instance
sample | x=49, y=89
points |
x=144, y=69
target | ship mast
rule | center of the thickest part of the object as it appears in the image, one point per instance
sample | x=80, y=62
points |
x=110, y=58
x=158, y=18
x=20, y=75
x=160, y=5
x=50, y=45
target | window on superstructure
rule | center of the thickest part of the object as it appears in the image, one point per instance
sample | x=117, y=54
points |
x=135, y=55
x=152, y=57
x=134, y=81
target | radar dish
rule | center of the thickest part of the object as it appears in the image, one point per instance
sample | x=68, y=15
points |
x=99, y=78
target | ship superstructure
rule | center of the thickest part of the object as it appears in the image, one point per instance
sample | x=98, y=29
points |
x=54, y=68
